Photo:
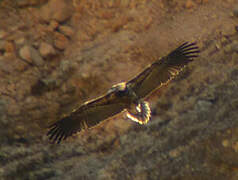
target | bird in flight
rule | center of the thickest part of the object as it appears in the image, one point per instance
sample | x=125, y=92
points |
x=128, y=96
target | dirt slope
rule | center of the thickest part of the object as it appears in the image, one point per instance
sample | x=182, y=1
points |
x=55, y=55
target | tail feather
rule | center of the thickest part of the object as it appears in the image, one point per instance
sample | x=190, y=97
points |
x=143, y=114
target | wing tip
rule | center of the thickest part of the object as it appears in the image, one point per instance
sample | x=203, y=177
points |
x=56, y=132
x=189, y=50
x=184, y=54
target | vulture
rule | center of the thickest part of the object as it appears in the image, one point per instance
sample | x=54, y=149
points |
x=126, y=96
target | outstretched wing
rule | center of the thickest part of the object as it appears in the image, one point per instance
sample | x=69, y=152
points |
x=163, y=70
x=88, y=115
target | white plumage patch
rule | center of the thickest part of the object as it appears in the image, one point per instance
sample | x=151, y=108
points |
x=138, y=108
x=118, y=87
x=143, y=113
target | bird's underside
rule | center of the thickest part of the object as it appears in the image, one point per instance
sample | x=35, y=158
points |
x=125, y=96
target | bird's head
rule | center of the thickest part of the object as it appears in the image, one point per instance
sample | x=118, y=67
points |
x=120, y=87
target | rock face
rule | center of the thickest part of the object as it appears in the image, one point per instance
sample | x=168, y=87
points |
x=193, y=132
x=59, y=10
x=46, y=50
x=60, y=42
x=31, y=55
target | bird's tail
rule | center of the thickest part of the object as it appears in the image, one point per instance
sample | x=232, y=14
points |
x=143, y=114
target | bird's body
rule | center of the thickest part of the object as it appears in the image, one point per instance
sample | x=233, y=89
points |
x=127, y=95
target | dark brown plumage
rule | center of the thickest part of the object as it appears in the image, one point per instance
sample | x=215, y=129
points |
x=127, y=95
x=163, y=70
